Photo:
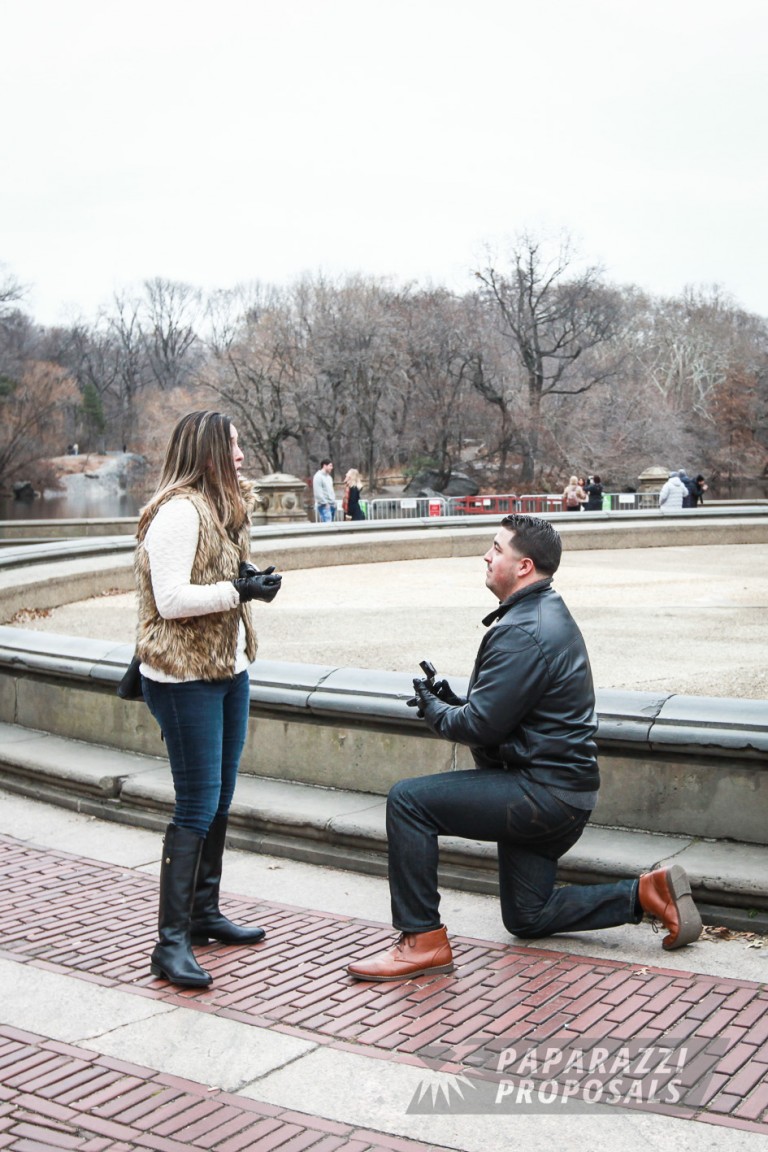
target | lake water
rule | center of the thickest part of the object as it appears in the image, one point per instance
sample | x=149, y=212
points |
x=64, y=507
x=97, y=502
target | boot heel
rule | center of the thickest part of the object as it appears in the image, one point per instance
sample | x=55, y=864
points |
x=678, y=881
x=438, y=970
x=688, y=913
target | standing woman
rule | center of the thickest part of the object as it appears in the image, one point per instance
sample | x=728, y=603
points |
x=573, y=495
x=353, y=484
x=195, y=642
x=594, y=492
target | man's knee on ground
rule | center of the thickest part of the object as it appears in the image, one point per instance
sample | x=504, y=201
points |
x=523, y=922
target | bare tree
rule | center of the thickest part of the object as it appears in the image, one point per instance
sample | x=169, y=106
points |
x=444, y=360
x=254, y=370
x=170, y=315
x=131, y=370
x=355, y=368
x=688, y=344
x=551, y=318
x=33, y=411
x=11, y=290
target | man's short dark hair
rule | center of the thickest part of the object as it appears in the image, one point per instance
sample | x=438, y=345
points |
x=537, y=540
x=326, y=461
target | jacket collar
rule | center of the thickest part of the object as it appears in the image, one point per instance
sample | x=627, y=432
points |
x=505, y=605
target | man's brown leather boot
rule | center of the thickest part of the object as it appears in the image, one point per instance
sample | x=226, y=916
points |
x=414, y=954
x=666, y=895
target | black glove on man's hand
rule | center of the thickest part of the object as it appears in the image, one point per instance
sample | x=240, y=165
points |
x=247, y=570
x=424, y=693
x=430, y=708
x=257, y=585
x=444, y=692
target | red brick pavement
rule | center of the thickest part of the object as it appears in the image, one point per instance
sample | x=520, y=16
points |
x=95, y=921
x=56, y=1096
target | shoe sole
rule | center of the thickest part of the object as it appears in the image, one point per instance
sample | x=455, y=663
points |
x=161, y=975
x=687, y=912
x=200, y=941
x=438, y=971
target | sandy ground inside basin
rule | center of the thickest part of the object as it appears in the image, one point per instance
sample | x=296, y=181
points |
x=691, y=620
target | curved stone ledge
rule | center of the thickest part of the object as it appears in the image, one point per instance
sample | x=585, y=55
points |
x=670, y=764
x=642, y=720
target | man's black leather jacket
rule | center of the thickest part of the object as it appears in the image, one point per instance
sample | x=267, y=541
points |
x=531, y=702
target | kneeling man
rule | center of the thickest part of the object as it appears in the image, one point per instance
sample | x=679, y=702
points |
x=529, y=719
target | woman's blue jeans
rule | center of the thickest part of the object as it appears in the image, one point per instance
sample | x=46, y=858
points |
x=204, y=723
x=532, y=829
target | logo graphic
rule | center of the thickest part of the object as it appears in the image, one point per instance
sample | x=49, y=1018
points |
x=485, y=1075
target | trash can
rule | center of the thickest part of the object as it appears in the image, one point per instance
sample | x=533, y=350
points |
x=435, y=507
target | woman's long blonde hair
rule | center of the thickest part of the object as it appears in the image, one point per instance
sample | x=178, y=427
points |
x=199, y=455
x=353, y=478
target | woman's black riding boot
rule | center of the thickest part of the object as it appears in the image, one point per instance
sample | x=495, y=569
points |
x=172, y=958
x=208, y=923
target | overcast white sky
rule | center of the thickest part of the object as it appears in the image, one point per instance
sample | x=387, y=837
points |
x=215, y=143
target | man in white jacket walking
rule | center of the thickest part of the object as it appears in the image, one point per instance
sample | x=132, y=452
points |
x=672, y=494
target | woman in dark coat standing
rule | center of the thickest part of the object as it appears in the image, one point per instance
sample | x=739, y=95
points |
x=594, y=495
x=353, y=484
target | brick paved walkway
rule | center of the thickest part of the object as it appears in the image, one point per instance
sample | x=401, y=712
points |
x=57, y=1096
x=95, y=921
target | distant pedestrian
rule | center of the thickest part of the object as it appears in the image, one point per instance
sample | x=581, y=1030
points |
x=353, y=484
x=594, y=495
x=323, y=492
x=697, y=491
x=688, y=498
x=672, y=494
x=573, y=495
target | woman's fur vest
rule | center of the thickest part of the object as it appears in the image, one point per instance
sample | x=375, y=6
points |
x=197, y=647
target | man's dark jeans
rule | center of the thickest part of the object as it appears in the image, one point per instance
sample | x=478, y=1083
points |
x=532, y=829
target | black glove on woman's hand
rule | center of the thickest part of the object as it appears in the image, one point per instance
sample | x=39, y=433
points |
x=259, y=586
x=247, y=569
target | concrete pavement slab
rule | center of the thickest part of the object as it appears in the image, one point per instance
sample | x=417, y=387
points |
x=211, y=1050
x=46, y=825
x=376, y=1094
x=66, y=1009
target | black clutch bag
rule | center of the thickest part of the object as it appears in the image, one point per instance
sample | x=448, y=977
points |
x=129, y=687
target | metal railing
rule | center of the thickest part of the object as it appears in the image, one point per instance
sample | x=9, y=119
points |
x=421, y=507
x=629, y=501
x=407, y=508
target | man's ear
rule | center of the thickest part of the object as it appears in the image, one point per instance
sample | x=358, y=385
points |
x=527, y=566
